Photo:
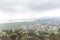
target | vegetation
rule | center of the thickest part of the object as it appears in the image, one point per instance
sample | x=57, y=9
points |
x=20, y=34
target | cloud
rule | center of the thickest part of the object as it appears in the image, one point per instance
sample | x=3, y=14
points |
x=14, y=5
x=53, y=13
x=27, y=9
x=45, y=5
x=4, y=16
x=25, y=5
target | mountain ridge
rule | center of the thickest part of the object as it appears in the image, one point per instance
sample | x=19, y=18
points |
x=46, y=21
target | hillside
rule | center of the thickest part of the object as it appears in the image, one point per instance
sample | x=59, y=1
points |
x=38, y=22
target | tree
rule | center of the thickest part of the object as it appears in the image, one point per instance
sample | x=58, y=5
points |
x=52, y=36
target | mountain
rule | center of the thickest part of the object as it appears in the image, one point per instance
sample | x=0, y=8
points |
x=44, y=20
x=49, y=20
x=15, y=25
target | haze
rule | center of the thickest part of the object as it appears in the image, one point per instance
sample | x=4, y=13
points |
x=28, y=9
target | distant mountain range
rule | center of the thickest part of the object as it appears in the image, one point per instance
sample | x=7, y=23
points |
x=49, y=20
x=44, y=20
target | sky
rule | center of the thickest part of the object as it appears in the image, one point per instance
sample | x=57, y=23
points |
x=28, y=9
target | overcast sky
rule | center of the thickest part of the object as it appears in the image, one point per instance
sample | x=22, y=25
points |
x=28, y=9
